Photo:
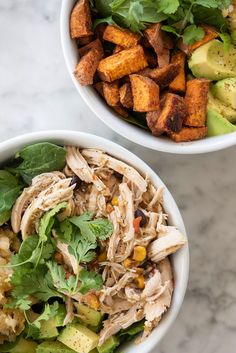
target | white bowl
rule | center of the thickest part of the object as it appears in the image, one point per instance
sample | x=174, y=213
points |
x=109, y=117
x=180, y=260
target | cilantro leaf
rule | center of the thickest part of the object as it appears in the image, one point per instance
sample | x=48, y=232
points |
x=59, y=280
x=33, y=328
x=40, y=158
x=82, y=250
x=47, y=221
x=89, y=280
x=64, y=230
x=168, y=6
x=22, y=303
x=91, y=230
x=192, y=34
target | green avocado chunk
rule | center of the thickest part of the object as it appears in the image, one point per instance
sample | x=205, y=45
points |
x=88, y=315
x=24, y=346
x=49, y=328
x=109, y=345
x=79, y=338
x=53, y=347
x=217, y=124
x=225, y=91
x=226, y=111
x=213, y=62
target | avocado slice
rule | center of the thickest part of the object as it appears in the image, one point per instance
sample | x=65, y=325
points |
x=109, y=345
x=217, y=124
x=213, y=62
x=225, y=91
x=226, y=111
x=88, y=315
x=53, y=347
x=79, y=338
x=24, y=346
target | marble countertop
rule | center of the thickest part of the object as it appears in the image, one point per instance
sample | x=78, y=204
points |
x=36, y=93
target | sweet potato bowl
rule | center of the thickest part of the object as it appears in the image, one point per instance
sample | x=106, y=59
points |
x=112, y=115
x=63, y=186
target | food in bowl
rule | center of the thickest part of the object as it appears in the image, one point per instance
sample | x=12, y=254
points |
x=85, y=246
x=157, y=64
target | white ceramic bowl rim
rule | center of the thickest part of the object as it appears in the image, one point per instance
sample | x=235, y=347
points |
x=180, y=259
x=123, y=128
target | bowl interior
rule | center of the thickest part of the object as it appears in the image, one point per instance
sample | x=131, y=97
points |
x=180, y=260
x=131, y=132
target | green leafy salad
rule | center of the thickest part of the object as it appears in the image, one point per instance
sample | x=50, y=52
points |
x=78, y=266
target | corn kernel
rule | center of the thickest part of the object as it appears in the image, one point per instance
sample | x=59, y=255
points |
x=140, y=253
x=140, y=282
x=114, y=201
x=58, y=258
x=127, y=262
x=92, y=301
x=102, y=257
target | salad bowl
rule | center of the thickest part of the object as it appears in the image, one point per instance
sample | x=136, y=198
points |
x=111, y=118
x=179, y=260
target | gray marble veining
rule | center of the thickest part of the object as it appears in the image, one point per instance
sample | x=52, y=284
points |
x=36, y=93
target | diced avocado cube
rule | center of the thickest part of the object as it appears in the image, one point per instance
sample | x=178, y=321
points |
x=225, y=91
x=24, y=346
x=79, y=338
x=88, y=315
x=49, y=328
x=109, y=345
x=53, y=347
x=217, y=124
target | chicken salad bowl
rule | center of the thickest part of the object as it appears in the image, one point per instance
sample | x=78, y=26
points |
x=93, y=248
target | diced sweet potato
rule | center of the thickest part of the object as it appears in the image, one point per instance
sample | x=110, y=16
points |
x=189, y=134
x=87, y=67
x=151, y=57
x=126, y=97
x=80, y=20
x=145, y=94
x=120, y=36
x=178, y=85
x=152, y=118
x=196, y=102
x=85, y=40
x=96, y=44
x=111, y=93
x=126, y=62
x=173, y=114
x=99, y=31
x=117, y=49
x=121, y=111
x=99, y=88
x=161, y=43
x=165, y=75
x=210, y=33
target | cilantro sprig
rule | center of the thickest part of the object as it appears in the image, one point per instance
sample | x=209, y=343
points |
x=181, y=17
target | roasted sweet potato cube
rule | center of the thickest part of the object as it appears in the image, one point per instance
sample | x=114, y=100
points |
x=80, y=20
x=152, y=119
x=118, y=65
x=117, y=49
x=210, y=33
x=87, y=66
x=151, y=57
x=120, y=36
x=189, y=134
x=84, y=40
x=126, y=96
x=121, y=111
x=173, y=114
x=196, y=102
x=111, y=93
x=99, y=88
x=96, y=44
x=145, y=94
x=161, y=43
x=178, y=85
x=165, y=75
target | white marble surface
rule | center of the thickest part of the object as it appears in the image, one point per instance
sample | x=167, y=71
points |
x=36, y=93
